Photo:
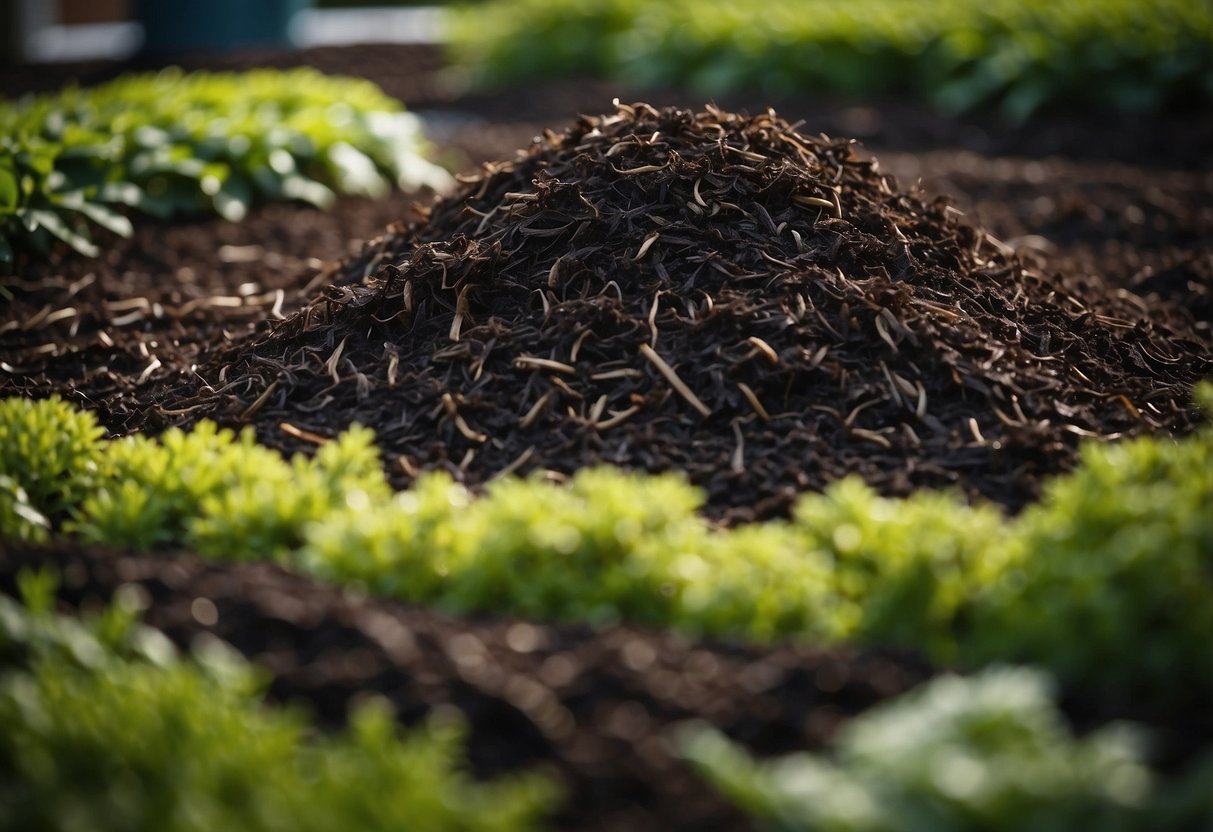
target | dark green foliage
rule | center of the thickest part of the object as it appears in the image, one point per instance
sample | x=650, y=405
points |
x=1017, y=55
x=989, y=753
x=174, y=143
x=104, y=727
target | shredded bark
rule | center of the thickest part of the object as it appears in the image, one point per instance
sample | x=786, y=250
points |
x=710, y=293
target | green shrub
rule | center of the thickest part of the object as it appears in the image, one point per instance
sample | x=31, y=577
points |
x=104, y=727
x=983, y=754
x=172, y=143
x=1017, y=55
x=904, y=571
x=49, y=458
x=223, y=495
x=1105, y=582
x=1119, y=555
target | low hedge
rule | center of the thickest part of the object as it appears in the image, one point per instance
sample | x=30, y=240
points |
x=1104, y=582
x=1016, y=55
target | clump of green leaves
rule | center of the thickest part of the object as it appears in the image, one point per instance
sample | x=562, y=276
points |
x=50, y=455
x=1016, y=55
x=173, y=143
x=104, y=727
x=1119, y=554
x=222, y=494
x=988, y=753
x=1105, y=582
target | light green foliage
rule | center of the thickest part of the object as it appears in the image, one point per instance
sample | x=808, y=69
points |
x=154, y=489
x=19, y=520
x=104, y=727
x=610, y=545
x=757, y=580
x=1016, y=54
x=49, y=455
x=266, y=511
x=173, y=143
x=406, y=548
x=224, y=495
x=1105, y=582
x=903, y=571
x=1120, y=554
x=989, y=753
x=595, y=550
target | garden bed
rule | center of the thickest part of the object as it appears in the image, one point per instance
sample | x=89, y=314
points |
x=1104, y=203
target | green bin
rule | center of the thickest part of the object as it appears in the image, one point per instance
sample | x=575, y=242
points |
x=171, y=26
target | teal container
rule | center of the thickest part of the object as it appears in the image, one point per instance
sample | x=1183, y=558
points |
x=171, y=26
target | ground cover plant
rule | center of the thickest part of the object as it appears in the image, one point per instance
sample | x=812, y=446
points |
x=1012, y=54
x=172, y=143
x=989, y=752
x=104, y=726
x=1113, y=555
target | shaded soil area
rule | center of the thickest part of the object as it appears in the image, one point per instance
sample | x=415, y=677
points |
x=594, y=708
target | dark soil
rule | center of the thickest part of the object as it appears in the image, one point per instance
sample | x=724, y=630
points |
x=1115, y=212
x=592, y=707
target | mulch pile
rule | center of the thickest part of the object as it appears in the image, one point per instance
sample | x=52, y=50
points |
x=712, y=293
x=592, y=708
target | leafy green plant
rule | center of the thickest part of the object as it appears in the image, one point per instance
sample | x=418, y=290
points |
x=49, y=461
x=173, y=143
x=989, y=753
x=222, y=494
x=104, y=727
x=1016, y=55
x=1120, y=553
x=1105, y=582
x=38, y=204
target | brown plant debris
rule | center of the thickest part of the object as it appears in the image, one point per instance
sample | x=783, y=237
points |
x=712, y=293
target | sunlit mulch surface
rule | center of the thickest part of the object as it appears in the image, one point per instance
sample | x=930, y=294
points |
x=592, y=707
x=716, y=294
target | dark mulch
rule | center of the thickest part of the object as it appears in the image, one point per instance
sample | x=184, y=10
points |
x=714, y=294
x=592, y=707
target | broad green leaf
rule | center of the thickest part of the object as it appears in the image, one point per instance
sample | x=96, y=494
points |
x=233, y=198
x=10, y=194
x=55, y=224
x=355, y=171
x=307, y=190
x=108, y=219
